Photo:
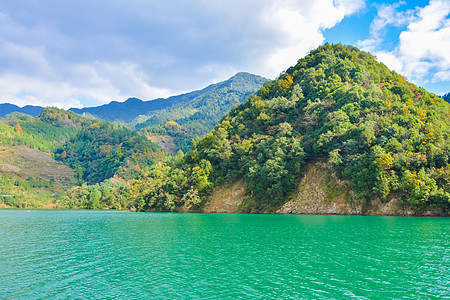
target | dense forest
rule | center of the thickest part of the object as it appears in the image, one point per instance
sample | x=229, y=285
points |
x=104, y=149
x=201, y=113
x=385, y=137
x=94, y=150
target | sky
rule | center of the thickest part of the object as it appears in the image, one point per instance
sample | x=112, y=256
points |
x=91, y=52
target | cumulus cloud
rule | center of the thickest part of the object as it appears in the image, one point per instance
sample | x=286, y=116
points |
x=75, y=53
x=92, y=84
x=422, y=53
x=301, y=24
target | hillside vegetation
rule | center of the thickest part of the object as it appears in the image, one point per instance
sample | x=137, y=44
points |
x=337, y=112
x=104, y=149
x=385, y=136
x=92, y=151
x=203, y=111
x=45, y=132
x=179, y=119
x=29, y=176
x=240, y=87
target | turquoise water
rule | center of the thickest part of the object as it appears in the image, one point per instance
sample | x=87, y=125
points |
x=107, y=254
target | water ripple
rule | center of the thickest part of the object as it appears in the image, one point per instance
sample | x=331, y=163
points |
x=98, y=254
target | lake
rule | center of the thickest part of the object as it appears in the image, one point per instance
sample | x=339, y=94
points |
x=112, y=254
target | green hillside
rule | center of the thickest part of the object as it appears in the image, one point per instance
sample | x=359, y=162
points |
x=202, y=112
x=45, y=132
x=338, y=113
x=241, y=85
x=105, y=149
x=384, y=136
x=30, y=177
x=91, y=150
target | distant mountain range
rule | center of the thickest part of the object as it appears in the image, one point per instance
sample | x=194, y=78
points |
x=446, y=97
x=125, y=112
x=7, y=108
x=241, y=84
x=199, y=111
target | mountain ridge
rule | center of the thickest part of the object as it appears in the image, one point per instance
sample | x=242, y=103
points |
x=338, y=124
x=7, y=108
x=126, y=111
x=385, y=137
x=131, y=108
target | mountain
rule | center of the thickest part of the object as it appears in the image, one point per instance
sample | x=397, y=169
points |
x=102, y=156
x=42, y=157
x=103, y=150
x=337, y=133
x=30, y=176
x=338, y=127
x=178, y=126
x=242, y=84
x=174, y=122
x=127, y=111
x=7, y=108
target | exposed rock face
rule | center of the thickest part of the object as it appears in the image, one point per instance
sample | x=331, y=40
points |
x=164, y=141
x=320, y=192
x=226, y=199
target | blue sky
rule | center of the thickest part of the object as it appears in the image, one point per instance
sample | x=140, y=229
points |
x=87, y=53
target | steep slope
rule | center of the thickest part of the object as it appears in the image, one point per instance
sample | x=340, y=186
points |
x=31, y=178
x=385, y=137
x=92, y=150
x=129, y=110
x=202, y=112
x=104, y=149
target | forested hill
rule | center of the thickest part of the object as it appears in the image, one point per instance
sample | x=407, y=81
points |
x=92, y=151
x=197, y=117
x=243, y=84
x=103, y=150
x=384, y=136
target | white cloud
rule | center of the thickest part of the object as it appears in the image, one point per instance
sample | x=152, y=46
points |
x=390, y=60
x=102, y=82
x=422, y=53
x=68, y=54
x=442, y=76
x=300, y=24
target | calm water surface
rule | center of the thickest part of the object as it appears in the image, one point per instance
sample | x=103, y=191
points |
x=107, y=254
